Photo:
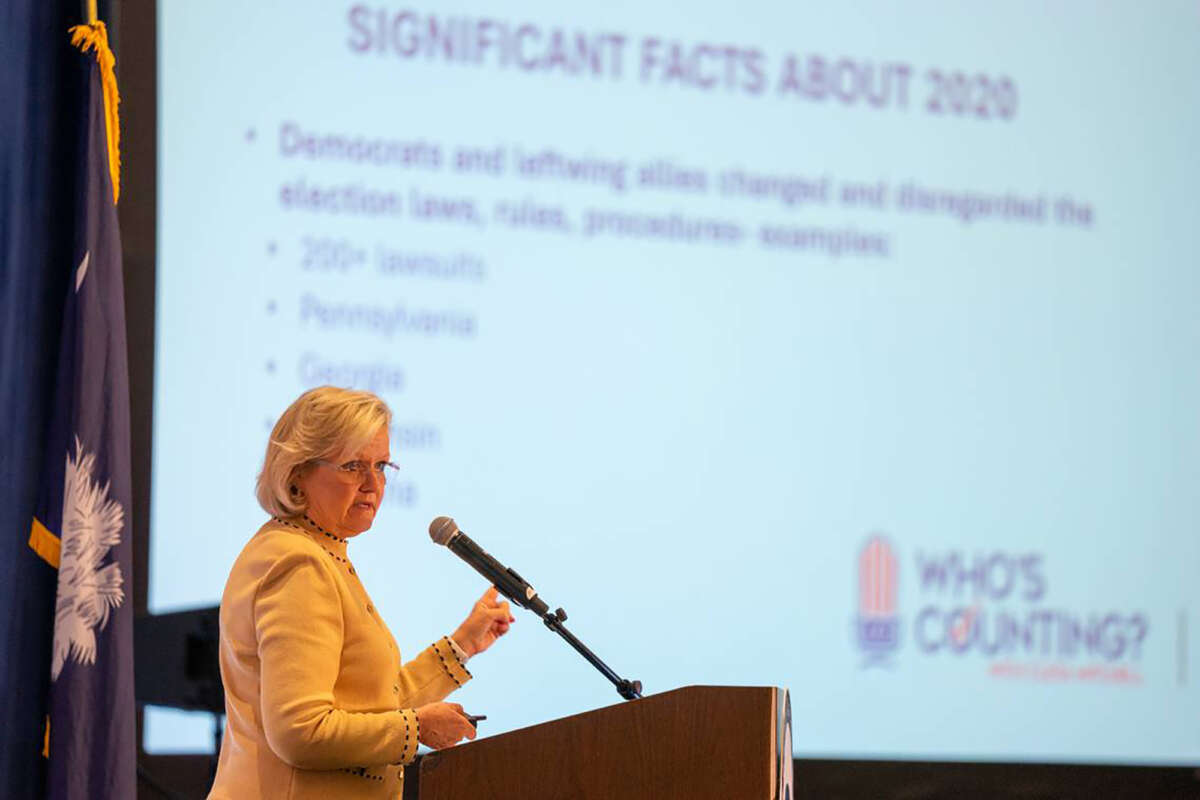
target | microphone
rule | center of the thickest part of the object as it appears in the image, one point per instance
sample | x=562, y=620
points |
x=444, y=530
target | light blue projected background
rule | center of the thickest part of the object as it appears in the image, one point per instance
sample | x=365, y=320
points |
x=678, y=310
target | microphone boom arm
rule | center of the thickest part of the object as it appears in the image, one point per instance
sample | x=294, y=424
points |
x=444, y=531
x=630, y=690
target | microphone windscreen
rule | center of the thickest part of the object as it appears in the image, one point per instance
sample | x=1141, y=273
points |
x=442, y=529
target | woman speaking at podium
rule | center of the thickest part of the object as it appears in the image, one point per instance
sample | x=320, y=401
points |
x=318, y=703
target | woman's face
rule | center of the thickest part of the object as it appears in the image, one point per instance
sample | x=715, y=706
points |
x=345, y=503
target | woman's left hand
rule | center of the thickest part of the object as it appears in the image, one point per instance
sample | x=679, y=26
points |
x=487, y=622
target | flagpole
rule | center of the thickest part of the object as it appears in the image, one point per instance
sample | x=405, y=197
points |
x=89, y=11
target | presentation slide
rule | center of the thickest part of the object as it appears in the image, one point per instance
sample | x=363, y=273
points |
x=849, y=348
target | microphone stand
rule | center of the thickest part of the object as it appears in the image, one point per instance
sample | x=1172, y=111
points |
x=444, y=531
x=630, y=690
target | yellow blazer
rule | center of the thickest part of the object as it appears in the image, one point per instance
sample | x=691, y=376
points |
x=317, y=701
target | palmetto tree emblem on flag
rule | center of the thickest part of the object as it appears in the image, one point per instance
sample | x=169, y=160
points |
x=88, y=590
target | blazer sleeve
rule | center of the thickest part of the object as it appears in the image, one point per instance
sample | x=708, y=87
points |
x=432, y=675
x=299, y=625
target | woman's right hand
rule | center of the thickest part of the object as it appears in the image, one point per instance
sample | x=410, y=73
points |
x=443, y=725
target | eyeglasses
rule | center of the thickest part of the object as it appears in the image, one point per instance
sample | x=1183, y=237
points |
x=357, y=470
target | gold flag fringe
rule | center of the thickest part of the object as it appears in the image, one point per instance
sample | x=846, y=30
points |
x=95, y=37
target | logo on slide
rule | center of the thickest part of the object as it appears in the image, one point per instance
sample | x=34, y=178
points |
x=994, y=605
x=878, y=626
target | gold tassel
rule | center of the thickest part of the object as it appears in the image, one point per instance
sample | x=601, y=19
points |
x=95, y=37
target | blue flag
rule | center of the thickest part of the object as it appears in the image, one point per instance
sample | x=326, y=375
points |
x=82, y=523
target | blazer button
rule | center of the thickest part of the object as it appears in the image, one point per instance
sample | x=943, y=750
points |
x=395, y=690
x=370, y=608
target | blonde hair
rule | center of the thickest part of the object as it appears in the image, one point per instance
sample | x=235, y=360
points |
x=321, y=423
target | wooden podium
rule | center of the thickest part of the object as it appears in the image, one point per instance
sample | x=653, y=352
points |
x=699, y=742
